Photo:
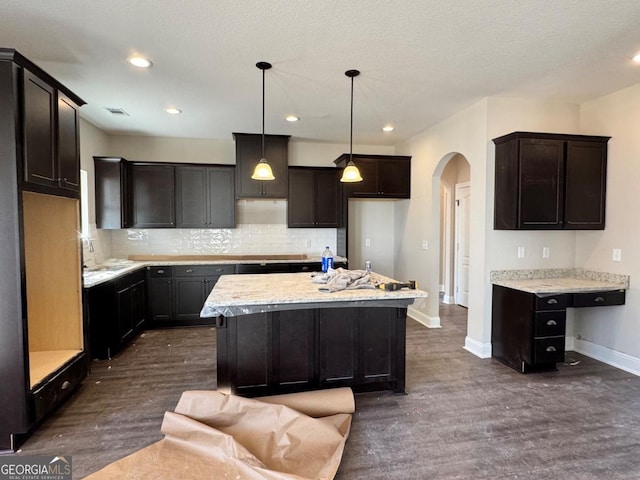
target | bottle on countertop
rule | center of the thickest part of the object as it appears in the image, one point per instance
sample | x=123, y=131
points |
x=327, y=260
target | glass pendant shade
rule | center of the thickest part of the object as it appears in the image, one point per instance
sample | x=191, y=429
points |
x=263, y=171
x=351, y=173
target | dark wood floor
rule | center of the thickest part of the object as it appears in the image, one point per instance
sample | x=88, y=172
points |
x=463, y=417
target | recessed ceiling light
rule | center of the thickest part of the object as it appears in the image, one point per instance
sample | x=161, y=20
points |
x=292, y=118
x=140, y=61
x=387, y=128
x=636, y=57
x=173, y=110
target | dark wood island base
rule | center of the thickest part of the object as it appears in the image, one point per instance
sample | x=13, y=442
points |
x=308, y=349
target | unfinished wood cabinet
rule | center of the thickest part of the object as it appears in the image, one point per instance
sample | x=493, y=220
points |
x=42, y=326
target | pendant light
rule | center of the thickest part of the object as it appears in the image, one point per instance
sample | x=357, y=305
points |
x=263, y=170
x=351, y=174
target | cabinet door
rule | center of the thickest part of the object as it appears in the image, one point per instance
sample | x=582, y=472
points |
x=68, y=144
x=191, y=197
x=338, y=338
x=394, y=178
x=39, y=132
x=160, y=296
x=368, y=187
x=189, y=295
x=327, y=194
x=541, y=184
x=585, y=191
x=153, y=196
x=112, y=196
x=293, y=349
x=138, y=304
x=221, y=199
x=249, y=153
x=377, y=344
x=125, y=317
x=301, y=203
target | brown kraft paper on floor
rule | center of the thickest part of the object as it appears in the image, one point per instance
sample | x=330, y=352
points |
x=212, y=435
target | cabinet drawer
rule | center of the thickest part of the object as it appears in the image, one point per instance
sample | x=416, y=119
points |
x=263, y=268
x=202, y=270
x=548, y=350
x=129, y=279
x=551, y=302
x=550, y=324
x=598, y=299
x=52, y=393
x=155, y=272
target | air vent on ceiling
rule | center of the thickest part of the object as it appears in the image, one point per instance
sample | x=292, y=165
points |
x=117, y=111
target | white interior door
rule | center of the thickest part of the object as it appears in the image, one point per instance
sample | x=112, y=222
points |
x=463, y=207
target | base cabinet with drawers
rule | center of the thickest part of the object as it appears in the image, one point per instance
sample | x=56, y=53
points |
x=177, y=293
x=528, y=330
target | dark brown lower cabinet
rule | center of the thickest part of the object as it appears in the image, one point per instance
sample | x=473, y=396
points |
x=528, y=330
x=298, y=350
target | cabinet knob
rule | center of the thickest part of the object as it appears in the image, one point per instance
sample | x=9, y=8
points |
x=552, y=322
x=599, y=299
x=551, y=349
x=189, y=270
x=552, y=301
x=66, y=384
x=160, y=272
x=218, y=269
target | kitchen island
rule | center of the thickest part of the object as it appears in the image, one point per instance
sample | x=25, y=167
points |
x=277, y=333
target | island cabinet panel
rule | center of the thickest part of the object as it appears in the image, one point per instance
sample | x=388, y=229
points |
x=546, y=181
x=307, y=349
x=249, y=153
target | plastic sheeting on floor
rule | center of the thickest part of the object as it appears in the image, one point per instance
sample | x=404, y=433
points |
x=212, y=435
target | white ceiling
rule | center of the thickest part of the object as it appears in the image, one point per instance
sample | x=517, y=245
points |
x=421, y=61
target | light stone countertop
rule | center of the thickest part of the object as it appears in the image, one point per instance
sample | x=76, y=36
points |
x=115, y=267
x=547, y=281
x=244, y=294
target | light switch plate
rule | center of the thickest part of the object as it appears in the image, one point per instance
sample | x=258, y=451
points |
x=545, y=252
x=367, y=242
x=617, y=255
x=520, y=252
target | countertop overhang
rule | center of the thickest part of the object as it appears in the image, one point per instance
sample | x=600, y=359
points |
x=556, y=281
x=258, y=293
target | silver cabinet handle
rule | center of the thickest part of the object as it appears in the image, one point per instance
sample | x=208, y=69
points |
x=599, y=299
x=189, y=270
x=218, y=269
x=66, y=384
x=551, y=349
x=160, y=272
x=552, y=301
x=552, y=322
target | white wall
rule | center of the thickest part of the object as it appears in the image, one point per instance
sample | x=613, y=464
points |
x=612, y=333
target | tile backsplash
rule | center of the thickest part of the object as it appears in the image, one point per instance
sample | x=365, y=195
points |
x=244, y=239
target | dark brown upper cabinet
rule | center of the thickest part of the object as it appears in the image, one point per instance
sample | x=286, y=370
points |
x=314, y=197
x=153, y=195
x=205, y=197
x=550, y=181
x=383, y=176
x=112, y=192
x=249, y=153
x=50, y=134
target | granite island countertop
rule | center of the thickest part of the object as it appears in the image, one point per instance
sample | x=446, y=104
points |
x=554, y=281
x=256, y=293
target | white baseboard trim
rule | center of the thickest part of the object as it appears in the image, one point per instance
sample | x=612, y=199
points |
x=606, y=355
x=423, y=318
x=482, y=350
x=448, y=299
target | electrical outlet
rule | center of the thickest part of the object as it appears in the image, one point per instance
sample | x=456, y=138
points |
x=367, y=242
x=520, y=252
x=617, y=255
x=545, y=252
x=425, y=245
x=307, y=243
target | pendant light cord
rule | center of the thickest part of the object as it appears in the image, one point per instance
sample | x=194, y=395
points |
x=262, y=113
x=351, y=130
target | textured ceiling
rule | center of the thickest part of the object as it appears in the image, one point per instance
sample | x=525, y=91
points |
x=421, y=61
